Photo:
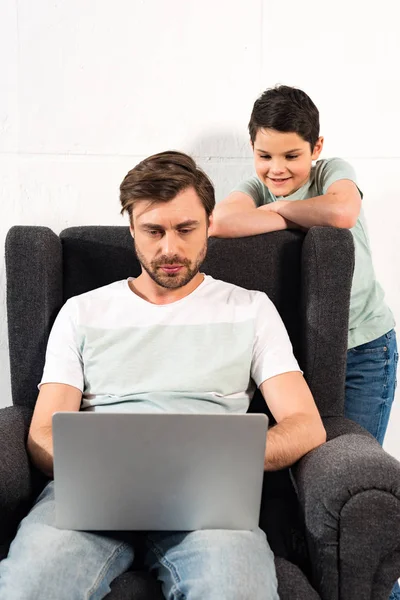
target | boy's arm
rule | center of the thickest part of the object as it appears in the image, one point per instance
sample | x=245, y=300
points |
x=339, y=207
x=237, y=216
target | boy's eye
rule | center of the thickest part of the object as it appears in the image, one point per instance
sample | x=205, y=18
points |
x=265, y=156
x=291, y=156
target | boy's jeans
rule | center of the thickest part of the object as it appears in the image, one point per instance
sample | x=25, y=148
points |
x=370, y=388
x=45, y=563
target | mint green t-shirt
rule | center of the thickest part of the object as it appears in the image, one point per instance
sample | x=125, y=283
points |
x=370, y=317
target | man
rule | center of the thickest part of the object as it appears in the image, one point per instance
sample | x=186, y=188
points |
x=171, y=340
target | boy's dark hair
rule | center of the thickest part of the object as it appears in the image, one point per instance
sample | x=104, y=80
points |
x=161, y=177
x=286, y=109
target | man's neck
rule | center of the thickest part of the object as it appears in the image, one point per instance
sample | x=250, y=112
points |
x=150, y=291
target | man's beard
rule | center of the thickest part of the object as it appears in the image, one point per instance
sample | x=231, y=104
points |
x=172, y=281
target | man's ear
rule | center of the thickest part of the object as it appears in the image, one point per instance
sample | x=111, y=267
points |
x=210, y=221
x=131, y=229
x=319, y=144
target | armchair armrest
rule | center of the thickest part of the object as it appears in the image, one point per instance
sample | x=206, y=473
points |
x=349, y=491
x=15, y=474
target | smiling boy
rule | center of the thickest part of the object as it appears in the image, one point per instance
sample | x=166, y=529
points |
x=289, y=191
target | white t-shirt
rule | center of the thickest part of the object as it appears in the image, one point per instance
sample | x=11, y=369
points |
x=199, y=354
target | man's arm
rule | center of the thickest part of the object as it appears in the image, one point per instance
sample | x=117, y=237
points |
x=298, y=428
x=339, y=207
x=238, y=216
x=53, y=397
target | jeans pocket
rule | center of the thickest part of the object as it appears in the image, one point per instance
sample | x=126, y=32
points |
x=374, y=346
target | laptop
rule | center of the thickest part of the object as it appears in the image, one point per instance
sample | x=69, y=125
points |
x=158, y=472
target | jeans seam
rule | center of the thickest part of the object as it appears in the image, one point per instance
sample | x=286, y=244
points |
x=171, y=567
x=381, y=413
x=115, y=553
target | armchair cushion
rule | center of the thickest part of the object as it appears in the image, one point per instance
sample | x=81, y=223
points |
x=338, y=502
x=15, y=473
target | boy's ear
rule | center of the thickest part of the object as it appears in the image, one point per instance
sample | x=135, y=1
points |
x=319, y=144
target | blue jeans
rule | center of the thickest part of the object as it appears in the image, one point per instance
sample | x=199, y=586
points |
x=371, y=383
x=45, y=563
x=370, y=388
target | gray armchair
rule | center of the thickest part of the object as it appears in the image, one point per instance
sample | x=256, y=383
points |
x=333, y=520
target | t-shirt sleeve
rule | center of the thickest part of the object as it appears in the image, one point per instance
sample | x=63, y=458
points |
x=334, y=170
x=63, y=362
x=272, y=350
x=255, y=188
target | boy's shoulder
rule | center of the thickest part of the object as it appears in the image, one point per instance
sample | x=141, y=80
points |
x=332, y=163
x=329, y=170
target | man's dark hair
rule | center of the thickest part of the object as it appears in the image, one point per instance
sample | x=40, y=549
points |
x=161, y=177
x=285, y=109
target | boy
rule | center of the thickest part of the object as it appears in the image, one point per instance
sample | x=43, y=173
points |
x=290, y=192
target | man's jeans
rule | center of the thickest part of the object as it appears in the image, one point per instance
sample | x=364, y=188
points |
x=46, y=563
x=370, y=388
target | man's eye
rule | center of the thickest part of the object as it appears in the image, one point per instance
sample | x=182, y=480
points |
x=184, y=231
x=154, y=232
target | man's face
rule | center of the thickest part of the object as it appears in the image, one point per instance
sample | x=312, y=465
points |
x=283, y=161
x=171, y=238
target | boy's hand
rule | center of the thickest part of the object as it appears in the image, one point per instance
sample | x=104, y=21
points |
x=274, y=206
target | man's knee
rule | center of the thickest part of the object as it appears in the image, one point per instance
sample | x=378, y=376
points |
x=45, y=562
x=234, y=565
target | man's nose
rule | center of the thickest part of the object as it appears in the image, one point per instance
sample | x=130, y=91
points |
x=169, y=243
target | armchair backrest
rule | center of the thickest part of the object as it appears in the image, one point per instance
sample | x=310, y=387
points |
x=307, y=277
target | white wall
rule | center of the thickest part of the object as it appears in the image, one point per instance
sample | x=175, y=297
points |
x=89, y=87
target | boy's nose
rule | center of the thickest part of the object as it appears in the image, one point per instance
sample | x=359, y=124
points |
x=277, y=168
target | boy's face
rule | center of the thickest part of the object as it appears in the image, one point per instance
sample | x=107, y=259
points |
x=283, y=161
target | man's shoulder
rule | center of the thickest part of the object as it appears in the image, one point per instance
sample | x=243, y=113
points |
x=98, y=296
x=232, y=292
x=110, y=289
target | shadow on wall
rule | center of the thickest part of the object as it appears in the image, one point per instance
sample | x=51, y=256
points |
x=225, y=156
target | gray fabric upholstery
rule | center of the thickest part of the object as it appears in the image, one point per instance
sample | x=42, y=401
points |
x=292, y=583
x=327, y=260
x=34, y=296
x=15, y=475
x=342, y=486
x=349, y=490
x=135, y=585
